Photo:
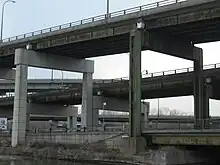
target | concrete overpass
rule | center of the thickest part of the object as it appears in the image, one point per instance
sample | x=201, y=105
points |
x=172, y=83
x=178, y=18
x=153, y=80
x=170, y=27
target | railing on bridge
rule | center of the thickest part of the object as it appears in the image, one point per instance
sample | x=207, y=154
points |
x=182, y=124
x=145, y=74
x=94, y=19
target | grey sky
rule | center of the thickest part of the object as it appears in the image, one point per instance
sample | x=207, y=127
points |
x=30, y=15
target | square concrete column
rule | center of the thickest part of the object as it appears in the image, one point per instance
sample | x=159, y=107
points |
x=87, y=99
x=198, y=84
x=145, y=109
x=20, y=100
x=207, y=95
x=135, y=84
x=72, y=123
x=28, y=120
x=95, y=118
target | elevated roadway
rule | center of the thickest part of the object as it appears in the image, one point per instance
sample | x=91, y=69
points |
x=124, y=118
x=37, y=85
x=170, y=22
x=171, y=83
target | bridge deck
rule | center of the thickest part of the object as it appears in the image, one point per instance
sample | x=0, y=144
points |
x=193, y=21
x=156, y=85
x=191, y=138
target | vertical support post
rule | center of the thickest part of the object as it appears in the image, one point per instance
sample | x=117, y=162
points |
x=135, y=84
x=145, y=108
x=198, y=84
x=87, y=93
x=28, y=120
x=95, y=117
x=71, y=123
x=207, y=95
x=20, y=100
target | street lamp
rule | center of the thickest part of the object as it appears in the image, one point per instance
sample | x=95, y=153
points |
x=2, y=21
x=103, y=109
x=158, y=109
x=107, y=9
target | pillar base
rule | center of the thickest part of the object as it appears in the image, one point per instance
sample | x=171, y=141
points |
x=134, y=145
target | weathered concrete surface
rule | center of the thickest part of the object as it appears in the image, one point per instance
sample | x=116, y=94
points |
x=149, y=14
x=43, y=109
x=7, y=74
x=71, y=138
x=54, y=61
x=101, y=151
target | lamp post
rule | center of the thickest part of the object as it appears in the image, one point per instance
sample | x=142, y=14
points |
x=103, y=117
x=2, y=21
x=158, y=108
x=107, y=9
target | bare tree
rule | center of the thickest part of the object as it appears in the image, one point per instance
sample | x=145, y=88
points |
x=164, y=111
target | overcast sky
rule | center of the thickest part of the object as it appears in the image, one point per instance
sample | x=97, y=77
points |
x=30, y=15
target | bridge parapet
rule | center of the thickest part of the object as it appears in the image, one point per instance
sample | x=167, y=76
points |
x=93, y=19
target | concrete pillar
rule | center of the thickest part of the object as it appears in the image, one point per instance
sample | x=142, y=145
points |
x=20, y=100
x=87, y=99
x=145, y=109
x=95, y=117
x=135, y=84
x=207, y=95
x=28, y=120
x=72, y=123
x=198, y=84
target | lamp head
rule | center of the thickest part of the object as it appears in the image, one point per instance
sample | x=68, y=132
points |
x=140, y=24
x=13, y=1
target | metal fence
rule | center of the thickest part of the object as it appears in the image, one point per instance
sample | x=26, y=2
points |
x=205, y=124
x=146, y=75
x=94, y=19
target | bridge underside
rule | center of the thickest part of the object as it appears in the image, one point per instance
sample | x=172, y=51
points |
x=172, y=32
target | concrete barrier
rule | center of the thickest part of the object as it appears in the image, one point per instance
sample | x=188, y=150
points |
x=70, y=138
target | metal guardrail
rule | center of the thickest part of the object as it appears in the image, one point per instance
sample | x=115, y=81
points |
x=204, y=124
x=166, y=73
x=94, y=19
x=144, y=75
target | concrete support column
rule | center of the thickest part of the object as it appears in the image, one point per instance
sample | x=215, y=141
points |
x=145, y=109
x=135, y=84
x=198, y=84
x=28, y=120
x=72, y=123
x=20, y=100
x=87, y=99
x=207, y=95
x=95, y=117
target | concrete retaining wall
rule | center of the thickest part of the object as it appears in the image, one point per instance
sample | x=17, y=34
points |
x=70, y=138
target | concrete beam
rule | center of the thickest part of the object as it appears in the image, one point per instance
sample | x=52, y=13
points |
x=53, y=61
x=7, y=74
x=167, y=44
x=112, y=104
x=42, y=109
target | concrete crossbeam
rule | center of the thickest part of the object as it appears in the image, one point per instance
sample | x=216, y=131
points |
x=168, y=44
x=52, y=61
x=42, y=109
